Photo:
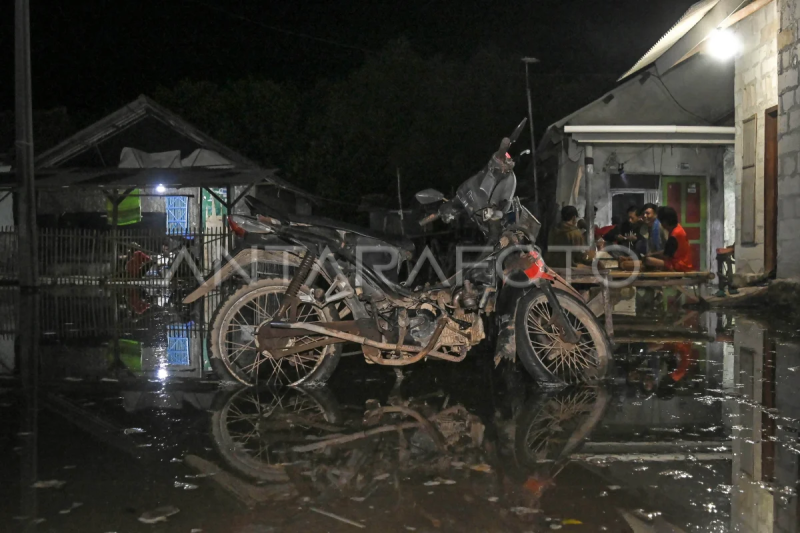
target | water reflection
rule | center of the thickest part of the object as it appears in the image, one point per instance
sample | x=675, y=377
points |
x=696, y=431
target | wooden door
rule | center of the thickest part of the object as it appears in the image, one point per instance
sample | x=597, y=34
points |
x=771, y=190
x=688, y=197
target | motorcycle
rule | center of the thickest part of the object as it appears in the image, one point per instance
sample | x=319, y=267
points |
x=338, y=288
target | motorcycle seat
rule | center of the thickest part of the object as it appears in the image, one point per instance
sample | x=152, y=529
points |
x=261, y=208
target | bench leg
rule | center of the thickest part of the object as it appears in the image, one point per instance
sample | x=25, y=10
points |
x=609, y=310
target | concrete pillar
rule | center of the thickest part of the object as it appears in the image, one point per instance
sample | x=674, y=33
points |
x=588, y=214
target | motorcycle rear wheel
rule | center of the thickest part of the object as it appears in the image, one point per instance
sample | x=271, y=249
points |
x=233, y=339
x=549, y=359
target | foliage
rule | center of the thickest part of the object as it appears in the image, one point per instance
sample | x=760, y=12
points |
x=434, y=121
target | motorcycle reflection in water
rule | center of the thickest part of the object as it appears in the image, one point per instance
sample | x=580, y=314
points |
x=327, y=450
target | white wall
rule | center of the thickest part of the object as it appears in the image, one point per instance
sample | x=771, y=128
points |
x=755, y=91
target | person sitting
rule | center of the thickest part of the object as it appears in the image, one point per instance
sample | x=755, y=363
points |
x=566, y=233
x=656, y=235
x=677, y=254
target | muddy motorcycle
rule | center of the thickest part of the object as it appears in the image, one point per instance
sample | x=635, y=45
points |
x=340, y=285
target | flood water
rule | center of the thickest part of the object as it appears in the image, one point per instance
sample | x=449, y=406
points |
x=111, y=418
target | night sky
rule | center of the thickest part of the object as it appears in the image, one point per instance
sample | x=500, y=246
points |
x=93, y=55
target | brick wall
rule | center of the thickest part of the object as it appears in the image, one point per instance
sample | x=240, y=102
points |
x=789, y=141
x=755, y=90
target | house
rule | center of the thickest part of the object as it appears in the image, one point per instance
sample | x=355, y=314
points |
x=712, y=100
x=159, y=170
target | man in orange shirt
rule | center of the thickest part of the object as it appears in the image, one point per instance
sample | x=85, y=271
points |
x=677, y=255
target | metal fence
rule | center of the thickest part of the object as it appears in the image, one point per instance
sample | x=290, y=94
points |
x=127, y=256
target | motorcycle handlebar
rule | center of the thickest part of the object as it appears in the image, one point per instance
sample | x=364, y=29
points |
x=429, y=219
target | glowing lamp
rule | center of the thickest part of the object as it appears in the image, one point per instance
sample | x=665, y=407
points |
x=723, y=44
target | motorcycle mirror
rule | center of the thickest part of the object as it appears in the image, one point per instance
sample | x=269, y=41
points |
x=429, y=196
x=525, y=152
x=518, y=131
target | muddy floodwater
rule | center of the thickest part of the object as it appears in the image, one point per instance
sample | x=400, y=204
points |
x=112, y=421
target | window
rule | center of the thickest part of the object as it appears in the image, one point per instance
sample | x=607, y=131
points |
x=178, y=346
x=177, y=214
x=748, y=195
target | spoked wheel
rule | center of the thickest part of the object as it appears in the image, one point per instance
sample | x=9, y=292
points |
x=552, y=427
x=256, y=428
x=234, y=338
x=549, y=358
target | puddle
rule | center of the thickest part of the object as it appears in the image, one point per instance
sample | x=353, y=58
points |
x=696, y=430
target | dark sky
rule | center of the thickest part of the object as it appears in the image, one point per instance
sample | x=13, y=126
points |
x=92, y=55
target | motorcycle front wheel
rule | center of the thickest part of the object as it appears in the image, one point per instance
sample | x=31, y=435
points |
x=545, y=355
x=235, y=354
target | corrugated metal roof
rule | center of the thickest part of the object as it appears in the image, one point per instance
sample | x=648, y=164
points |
x=688, y=21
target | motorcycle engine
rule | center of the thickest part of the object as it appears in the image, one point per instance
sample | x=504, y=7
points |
x=422, y=325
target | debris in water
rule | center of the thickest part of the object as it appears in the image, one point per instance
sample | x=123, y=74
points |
x=358, y=499
x=522, y=511
x=381, y=477
x=185, y=486
x=196, y=530
x=51, y=484
x=481, y=468
x=133, y=431
x=159, y=515
x=641, y=468
x=571, y=522
x=604, y=494
x=109, y=380
x=555, y=526
x=432, y=483
x=493, y=499
x=176, y=460
x=337, y=517
x=457, y=465
x=71, y=508
x=641, y=513
x=676, y=474
x=73, y=379
x=614, y=487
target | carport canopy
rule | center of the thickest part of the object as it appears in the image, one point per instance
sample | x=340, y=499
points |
x=708, y=135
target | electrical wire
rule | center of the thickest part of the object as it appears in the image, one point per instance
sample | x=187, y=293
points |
x=695, y=115
x=640, y=152
x=281, y=30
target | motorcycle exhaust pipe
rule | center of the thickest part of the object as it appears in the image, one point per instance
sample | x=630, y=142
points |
x=419, y=351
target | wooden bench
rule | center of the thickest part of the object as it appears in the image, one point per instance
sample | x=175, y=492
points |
x=601, y=304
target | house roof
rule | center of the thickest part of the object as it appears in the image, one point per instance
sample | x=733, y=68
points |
x=698, y=92
x=693, y=29
x=688, y=21
x=125, y=124
x=90, y=157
